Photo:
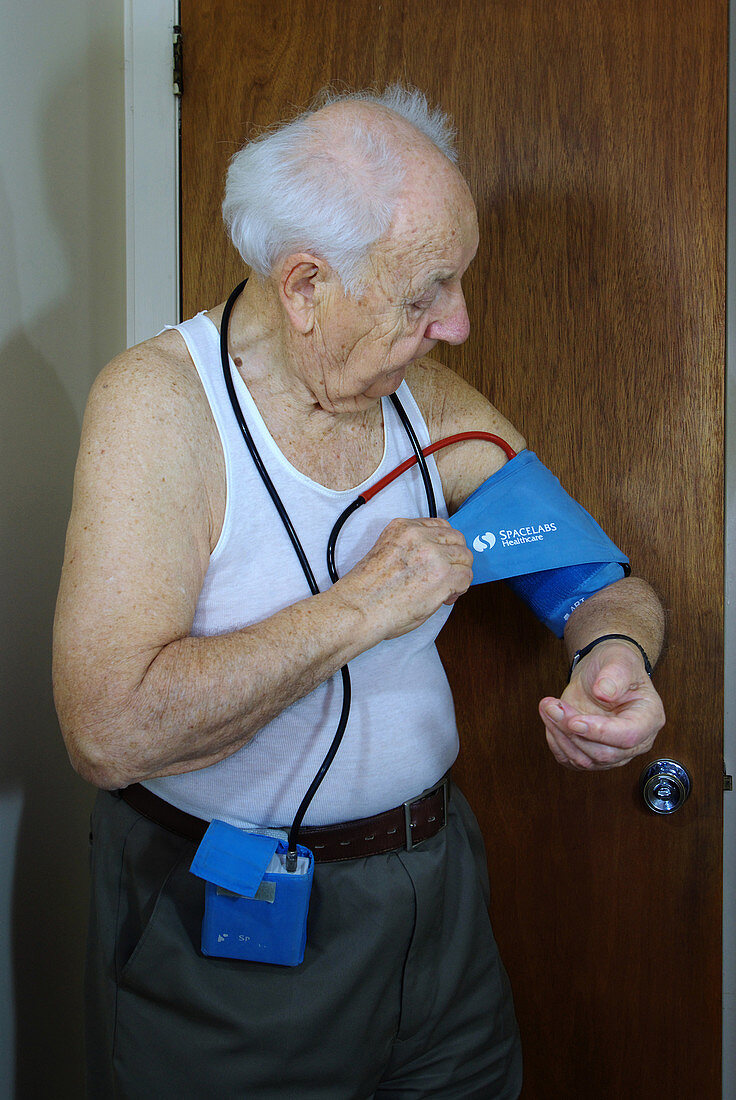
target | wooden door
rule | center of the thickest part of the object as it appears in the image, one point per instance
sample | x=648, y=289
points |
x=593, y=137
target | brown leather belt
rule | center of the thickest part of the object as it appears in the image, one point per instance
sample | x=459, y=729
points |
x=403, y=827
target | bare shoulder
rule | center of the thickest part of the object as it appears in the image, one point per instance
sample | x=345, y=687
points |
x=451, y=405
x=147, y=409
x=149, y=380
x=149, y=482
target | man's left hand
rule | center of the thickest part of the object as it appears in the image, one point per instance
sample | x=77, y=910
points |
x=609, y=713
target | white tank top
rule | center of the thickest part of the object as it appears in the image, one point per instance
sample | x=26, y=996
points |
x=401, y=735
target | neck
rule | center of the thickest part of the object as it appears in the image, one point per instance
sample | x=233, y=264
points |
x=265, y=350
x=259, y=343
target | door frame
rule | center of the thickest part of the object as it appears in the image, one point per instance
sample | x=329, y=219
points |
x=153, y=298
x=729, y=709
x=152, y=221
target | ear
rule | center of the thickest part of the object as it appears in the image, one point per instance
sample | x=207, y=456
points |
x=301, y=281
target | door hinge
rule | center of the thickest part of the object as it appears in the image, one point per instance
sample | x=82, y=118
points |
x=727, y=779
x=178, y=81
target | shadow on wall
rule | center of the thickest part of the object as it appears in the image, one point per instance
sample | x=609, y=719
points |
x=46, y=366
x=39, y=433
x=39, y=792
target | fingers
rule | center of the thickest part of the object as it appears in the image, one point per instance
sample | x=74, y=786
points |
x=609, y=713
x=434, y=532
x=570, y=750
x=414, y=567
x=566, y=752
x=624, y=729
x=440, y=531
x=600, y=741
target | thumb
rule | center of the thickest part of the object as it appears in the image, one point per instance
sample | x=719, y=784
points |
x=606, y=688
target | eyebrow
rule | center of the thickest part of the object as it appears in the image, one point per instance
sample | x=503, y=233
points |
x=442, y=277
x=431, y=282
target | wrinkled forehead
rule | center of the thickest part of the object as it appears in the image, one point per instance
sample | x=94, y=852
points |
x=434, y=202
x=434, y=231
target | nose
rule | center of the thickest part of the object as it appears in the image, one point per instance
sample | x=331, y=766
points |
x=453, y=326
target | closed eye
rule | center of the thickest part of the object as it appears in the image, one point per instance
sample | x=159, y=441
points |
x=421, y=306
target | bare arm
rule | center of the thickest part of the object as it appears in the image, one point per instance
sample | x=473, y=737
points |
x=610, y=711
x=450, y=405
x=137, y=695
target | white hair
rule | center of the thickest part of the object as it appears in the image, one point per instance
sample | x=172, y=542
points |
x=299, y=188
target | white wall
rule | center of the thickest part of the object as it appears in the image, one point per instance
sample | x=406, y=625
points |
x=62, y=316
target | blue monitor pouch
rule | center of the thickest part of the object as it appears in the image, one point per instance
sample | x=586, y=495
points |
x=254, y=908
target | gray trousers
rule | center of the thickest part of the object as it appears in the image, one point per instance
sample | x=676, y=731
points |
x=401, y=992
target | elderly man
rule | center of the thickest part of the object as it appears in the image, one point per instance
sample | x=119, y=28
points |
x=195, y=671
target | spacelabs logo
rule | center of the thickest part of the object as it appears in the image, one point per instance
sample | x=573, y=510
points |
x=517, y=536
x=484, y=542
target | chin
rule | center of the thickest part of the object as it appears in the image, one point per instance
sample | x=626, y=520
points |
x=387, y=385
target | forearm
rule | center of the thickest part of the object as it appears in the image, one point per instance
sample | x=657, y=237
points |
x=202, y=698
x=166, y=702
x=629, y=606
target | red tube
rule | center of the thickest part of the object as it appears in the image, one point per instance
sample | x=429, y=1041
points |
x=426, y=451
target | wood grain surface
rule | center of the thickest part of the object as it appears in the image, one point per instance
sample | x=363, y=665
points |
x=593, y=136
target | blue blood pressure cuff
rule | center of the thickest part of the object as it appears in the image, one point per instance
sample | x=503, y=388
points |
x=523, y=528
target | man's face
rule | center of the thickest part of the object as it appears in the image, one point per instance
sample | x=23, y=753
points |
x=413, y=298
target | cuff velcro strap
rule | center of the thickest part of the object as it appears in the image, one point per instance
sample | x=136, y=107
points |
x=608, y=638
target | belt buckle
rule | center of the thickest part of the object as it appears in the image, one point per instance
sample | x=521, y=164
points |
x=444, y=785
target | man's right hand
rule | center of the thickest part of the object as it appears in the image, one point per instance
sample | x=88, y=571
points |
x=415, y=566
